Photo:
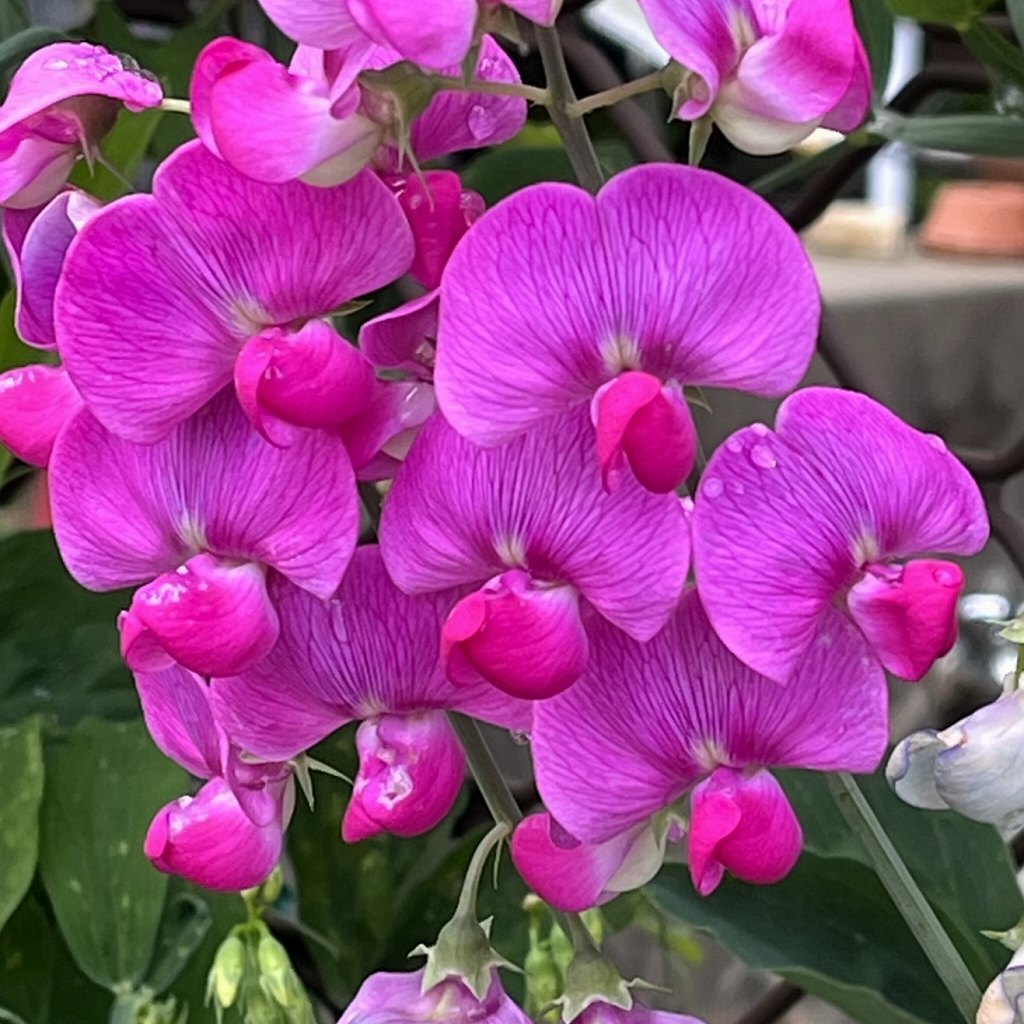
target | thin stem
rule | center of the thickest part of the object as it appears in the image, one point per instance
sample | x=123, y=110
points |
x=176, y=106
x=493, y=787
x=904, y=892
x=475, y=871
x=526, y=92
x=616, y=94
x=561, y=105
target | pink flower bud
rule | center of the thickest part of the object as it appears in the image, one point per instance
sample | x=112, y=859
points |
x=35, y=403
x=210, y=615
x=908, y=612
x=411, y=769
x=523, y=636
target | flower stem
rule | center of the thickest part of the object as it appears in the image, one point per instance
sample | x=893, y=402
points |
x=498, y=797
x=905, y=893
x=526, y=92
x=609, y=97
x=176, y=106
x=562, y=108
x=475, y=871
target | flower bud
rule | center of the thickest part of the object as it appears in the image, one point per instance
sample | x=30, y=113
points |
x=280, y=982
x=35, y=403
x=226, y=973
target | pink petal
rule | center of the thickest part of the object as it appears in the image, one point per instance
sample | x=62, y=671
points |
x=141, y=256
x=436, y=42
x=743, y=824
x=647, y=721
x=605, y=1013
x=785, y=520
x=855, y=105
x=908, y=613
x=459, y=514
x=574, y=876
x=323, y=23
x=404, y=338
x=543, y=12
x=35, y=404
x=125, y=513
x=525, y=638
x=554, y=293
x=411, y=769
x=208, y=839
x=32, y=170
x=369, y=650
x=210, y=616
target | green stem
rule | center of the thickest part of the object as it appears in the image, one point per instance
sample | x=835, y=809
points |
x=561, y=106
x=905, y=893
x=526, y=92
x=475, y=871
x=609, y=97
x=498, y=797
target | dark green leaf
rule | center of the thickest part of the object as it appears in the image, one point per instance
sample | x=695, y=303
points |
x=26, y=964
x=944, y=12
x=979, y=134
x=798, y=168
x=875, y=24
x=58, y=642
x=997, y=52
x=21, y=768
x=101, y=792
x=13, y=351
x=15, y=48
x=187, y=920
x=1015, y=8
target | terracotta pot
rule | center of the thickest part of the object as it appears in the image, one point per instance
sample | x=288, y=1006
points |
x=981, y=218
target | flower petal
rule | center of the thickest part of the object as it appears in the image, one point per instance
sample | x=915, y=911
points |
x=436, y=42
x=404, y=338
x=36, y=402
x=322, y=23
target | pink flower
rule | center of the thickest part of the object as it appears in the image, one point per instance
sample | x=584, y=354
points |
x=767, y=72
x=650, y=724
x=241, y=97
x=599, y=1012
x=166, y=298
x=826, y=508
x=36, y=402
x=229, y=835
x=369, y=654
x=530, y=525
x=61, y=102
x=669, y=277
x=439, y=41
x=398, y=999
x=202, y=518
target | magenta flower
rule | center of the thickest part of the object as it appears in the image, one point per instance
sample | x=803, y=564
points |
x=825, y=508
x=166, y=298
x=649, y=724
x=530, y=525
x=767, y=73
x=397, y=998
x=669, y=277
x=229, y=835
x=241, y=97
x=62, y=101
x=369, y=654
x=439, y=41
x=36, y=402
x=200, y=519
x=600, y=1012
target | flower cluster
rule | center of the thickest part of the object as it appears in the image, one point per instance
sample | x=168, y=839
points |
x=529, y=409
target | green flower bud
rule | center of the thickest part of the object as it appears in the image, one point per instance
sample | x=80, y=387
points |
x=226, y=974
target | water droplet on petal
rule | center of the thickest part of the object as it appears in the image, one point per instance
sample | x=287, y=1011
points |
x=762, y=457
x=936, y=442
x=734, y=444
x=711, y=487
x=480, y=122
x=759, y=428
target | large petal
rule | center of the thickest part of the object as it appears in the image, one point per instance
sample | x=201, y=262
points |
x=647, y=721
x=160, y=292
x=553, y=293
x=436, y=42
x=785, y=520
x=371, y=649
x=322, y=23
x=125, y=513
x=459, y=514
x=36, y=402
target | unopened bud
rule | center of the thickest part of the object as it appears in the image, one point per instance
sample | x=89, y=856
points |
x=225, y=977
x=279, y=981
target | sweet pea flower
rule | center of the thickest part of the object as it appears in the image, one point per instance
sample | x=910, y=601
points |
x=670, y=276
x=600, y=1012
x=651, y=723
x=530, y=525
x=1003, y=1001
x=766, y=72
x=439, y=41
x=229, y=835
x=398, y=998
x=62, y=101
x=201, y=519
x=369, y=654
x=973, y=767
x=241, y=97
x=825, y=509
x=166, y=298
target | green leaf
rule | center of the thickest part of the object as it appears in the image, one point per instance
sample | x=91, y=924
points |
x=101, y=792
x=979, y=134
x=943, y=12
x=26, y=964
x=58, y=641
x=1015, y=9
x=991, y=48
x=15, y=48
x=829, y=927
x=13, y=351
x=187, y=920
x=21, y=768
x=875, y=24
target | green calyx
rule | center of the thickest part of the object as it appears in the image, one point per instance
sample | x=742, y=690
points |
x=593, y=978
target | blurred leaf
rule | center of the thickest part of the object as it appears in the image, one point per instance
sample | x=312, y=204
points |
x=186, y=922
x=944, y=12
x=799, y=168
x=58, y=641
x=13, y=351
x=980, y=134
x=104, y=786
x=991, y=48
x=123, y=149
x=1015, y=8
x=12, y=17
x=829, y=927
x=16, y=46
x=875, y=24
x=26, y=963
x=21, y=768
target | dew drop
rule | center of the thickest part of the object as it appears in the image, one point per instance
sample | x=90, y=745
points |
x=936, y=442
x=56, y=65
x=737, y=488
x=762, y=457
x=945, y=578
x=759, y=428
x=734, y=444
x=712, y=487
x=480, y=122
x=520, y=739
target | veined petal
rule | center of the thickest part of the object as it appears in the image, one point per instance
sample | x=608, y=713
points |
x=460, y=514
x=404, y=338
x=436, y=42
x=36, y=402
x=322, y=23
x=33, y=170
